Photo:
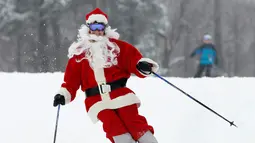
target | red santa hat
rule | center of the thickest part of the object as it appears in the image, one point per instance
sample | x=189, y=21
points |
x=97, y=15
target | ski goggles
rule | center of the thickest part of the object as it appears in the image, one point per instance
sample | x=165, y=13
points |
x=97, y=26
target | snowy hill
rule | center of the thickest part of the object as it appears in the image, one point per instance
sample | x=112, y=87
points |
x=27, y=114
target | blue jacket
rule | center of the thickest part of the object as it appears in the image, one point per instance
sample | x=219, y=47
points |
x=207, y=53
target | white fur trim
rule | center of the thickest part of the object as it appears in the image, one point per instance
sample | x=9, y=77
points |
x=118, y=102
x=98, y=18
x=155, y=65
x=63, y=91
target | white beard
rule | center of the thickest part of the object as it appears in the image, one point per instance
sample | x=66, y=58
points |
x=97, y=58
x=102, y=53
x=99, y=51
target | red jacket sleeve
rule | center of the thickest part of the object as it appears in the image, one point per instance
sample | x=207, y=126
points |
x=72, y=79
x=131, y=57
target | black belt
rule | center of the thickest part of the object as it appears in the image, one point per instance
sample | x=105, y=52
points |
x=111, y=86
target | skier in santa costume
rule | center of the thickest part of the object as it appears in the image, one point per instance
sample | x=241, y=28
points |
x=101, y=64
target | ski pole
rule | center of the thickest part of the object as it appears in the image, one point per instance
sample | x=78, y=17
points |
x=231, y=123
x=56, y=126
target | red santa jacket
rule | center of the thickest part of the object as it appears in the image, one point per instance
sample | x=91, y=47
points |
x=80, y=74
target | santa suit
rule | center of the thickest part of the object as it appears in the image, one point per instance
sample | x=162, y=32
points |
x=117, y=109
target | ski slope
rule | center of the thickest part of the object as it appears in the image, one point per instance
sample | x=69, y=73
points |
x=27, y=114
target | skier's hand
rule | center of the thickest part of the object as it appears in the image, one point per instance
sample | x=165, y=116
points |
x=59, y=99
x=147, y=66
x=144, y=67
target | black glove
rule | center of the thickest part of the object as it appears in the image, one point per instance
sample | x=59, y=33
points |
x=144, y=67
x=59, y=99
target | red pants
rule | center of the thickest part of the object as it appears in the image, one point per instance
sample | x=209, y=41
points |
x=124, y=120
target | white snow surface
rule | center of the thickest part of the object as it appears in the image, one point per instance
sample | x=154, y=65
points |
x=27, y=114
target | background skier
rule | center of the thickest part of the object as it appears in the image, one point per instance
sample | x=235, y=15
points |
x=208, y=56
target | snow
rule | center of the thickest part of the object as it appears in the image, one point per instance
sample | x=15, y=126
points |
x=27, y=114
